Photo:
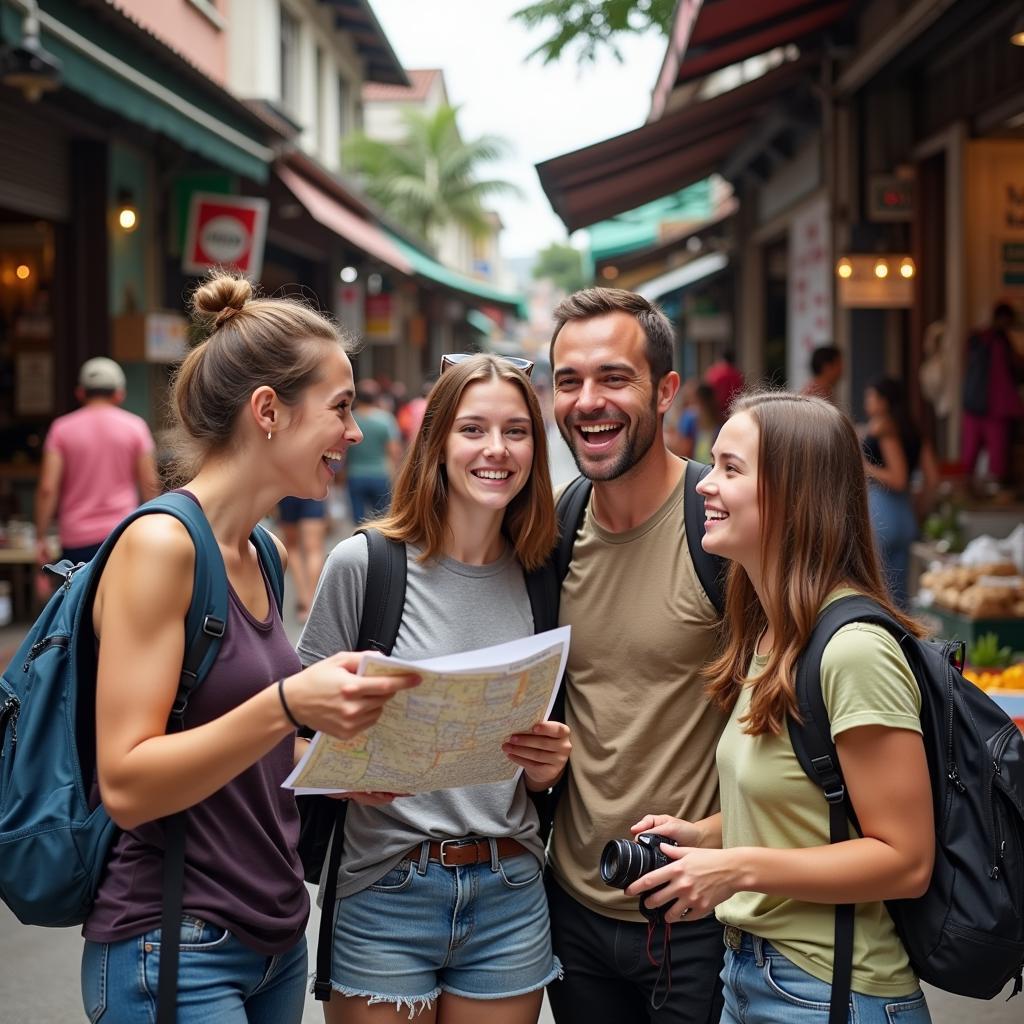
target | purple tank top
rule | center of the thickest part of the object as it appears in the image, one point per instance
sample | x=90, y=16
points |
x=242, y=871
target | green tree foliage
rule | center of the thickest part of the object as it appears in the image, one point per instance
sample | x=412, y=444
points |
x=428, y=180
x=593, y=24
x=563, y=265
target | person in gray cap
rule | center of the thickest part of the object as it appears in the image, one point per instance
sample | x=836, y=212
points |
x=98, y=464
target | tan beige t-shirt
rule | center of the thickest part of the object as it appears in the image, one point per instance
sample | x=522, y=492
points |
x=643, y=732
x=767, y=800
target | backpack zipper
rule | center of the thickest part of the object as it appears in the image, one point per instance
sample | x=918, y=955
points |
x=9, y=715
x=37, y=648
x=998, y=845
x=950, y=651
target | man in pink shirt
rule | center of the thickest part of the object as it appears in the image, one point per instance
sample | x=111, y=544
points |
x=725, y=379
x=98, y=464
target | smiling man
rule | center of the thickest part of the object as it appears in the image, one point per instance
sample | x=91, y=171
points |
x=644, y=736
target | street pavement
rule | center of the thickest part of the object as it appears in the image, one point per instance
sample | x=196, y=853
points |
x=39, y=967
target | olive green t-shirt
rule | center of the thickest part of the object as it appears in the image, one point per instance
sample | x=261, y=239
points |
x=767, y=800
x=643, y=732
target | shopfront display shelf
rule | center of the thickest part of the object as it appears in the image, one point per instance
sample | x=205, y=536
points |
x=950, y=624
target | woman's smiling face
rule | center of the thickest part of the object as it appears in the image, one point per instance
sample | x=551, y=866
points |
x=731, y=506
x=489, y=452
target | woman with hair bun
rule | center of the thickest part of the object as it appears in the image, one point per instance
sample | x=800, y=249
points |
x=263, y=409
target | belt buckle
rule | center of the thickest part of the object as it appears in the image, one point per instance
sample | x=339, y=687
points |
x=445, y=843
x=733, y=937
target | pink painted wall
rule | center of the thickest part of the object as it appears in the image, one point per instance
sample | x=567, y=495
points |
x=183, y=27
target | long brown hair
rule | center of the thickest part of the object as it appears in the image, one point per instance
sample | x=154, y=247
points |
x=815, y=538
x=419, y=504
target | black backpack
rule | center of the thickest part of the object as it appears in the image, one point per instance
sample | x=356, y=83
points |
x=966, y=933
x=320, y=816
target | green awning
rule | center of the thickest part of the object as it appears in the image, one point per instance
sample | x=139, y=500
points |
x=642, y=227
x=480, y=322
x=101, y=63
x=429, y=268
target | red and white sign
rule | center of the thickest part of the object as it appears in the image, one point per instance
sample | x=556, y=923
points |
x=225, y=231
x=809, y=311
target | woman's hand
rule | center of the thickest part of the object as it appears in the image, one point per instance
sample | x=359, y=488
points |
x=683, y=833
x=542, y=753
x=331, y=698
x=697, y=879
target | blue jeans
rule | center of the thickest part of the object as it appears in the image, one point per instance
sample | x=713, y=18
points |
x=219, y=979
x=892, y=519
x=369, y=496
x=479, y=931
x=761, y=986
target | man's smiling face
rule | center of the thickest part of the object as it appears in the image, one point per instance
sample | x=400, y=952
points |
x=606, y=404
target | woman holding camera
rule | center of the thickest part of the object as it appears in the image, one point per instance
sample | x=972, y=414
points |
x=765, y=862
x=441, y=907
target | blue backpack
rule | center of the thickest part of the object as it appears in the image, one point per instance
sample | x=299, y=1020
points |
x=53, y=845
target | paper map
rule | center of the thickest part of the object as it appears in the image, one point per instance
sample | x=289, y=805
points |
x=447, y=732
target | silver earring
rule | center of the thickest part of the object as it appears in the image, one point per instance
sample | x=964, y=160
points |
x=268, y=435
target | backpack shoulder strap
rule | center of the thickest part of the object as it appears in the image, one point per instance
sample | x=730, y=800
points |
x=270, y=559
x=207, y=613
x=813, y=746
x=710, y=569
x=384, y=600
x=542, y=589
x=812, y=737
x=572, y=504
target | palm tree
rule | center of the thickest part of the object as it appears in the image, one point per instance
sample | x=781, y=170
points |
x=427, y=181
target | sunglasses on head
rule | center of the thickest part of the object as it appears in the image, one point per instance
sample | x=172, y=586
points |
x=454, y=358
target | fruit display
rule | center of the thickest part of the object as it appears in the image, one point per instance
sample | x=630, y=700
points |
x=994, y=666
x=990, y=591
x=1011, y=678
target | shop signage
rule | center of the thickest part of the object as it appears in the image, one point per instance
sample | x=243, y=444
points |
x=890, y=198
x=1012, y=264
x=225, y=231
x=348, y=306
x=809, y=307
x=864, y=289
x=380, y=317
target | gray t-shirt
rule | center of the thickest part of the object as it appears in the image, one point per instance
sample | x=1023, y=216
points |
x=449, y=607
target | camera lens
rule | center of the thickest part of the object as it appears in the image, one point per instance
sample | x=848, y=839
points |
x=623, y=862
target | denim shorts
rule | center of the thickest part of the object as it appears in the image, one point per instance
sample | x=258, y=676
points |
x=761, y=986
x=291, y=510
x=219, y=979
x=479, y=931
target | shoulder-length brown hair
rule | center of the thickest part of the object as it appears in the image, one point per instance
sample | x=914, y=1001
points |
x=815, y=537
x=419, y=504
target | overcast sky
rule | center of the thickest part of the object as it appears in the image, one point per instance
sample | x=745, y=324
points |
x=542, y=110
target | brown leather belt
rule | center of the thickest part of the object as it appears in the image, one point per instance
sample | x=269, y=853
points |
x=458, y=853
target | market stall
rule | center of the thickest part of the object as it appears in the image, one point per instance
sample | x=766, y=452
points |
x=978, y=597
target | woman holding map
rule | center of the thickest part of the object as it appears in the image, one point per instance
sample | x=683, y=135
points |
x=440, y=899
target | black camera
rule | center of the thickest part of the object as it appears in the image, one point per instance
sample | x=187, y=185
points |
x=623, y=861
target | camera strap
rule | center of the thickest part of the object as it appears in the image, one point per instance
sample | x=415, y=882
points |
x=664, y=965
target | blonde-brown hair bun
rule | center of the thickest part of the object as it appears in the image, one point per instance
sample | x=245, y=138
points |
x=221, y=297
